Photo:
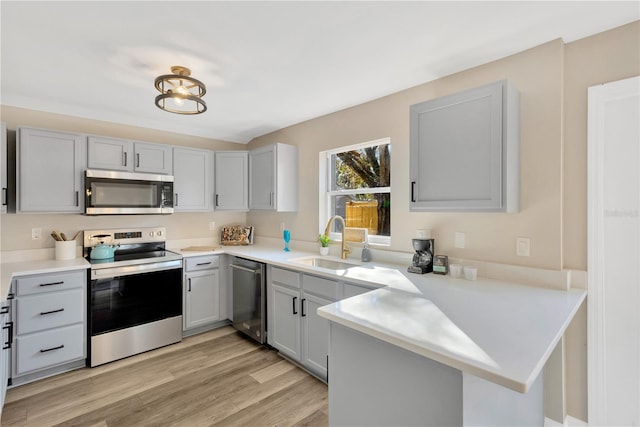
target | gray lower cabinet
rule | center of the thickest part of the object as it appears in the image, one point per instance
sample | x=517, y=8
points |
x=49, y=313
x=5, y=347
x=50, y=168
x=201, y=302
x=193, y=180
x=464, y=151
x=295, y=329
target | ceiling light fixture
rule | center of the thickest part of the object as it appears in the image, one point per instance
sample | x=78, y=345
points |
x=180, y=93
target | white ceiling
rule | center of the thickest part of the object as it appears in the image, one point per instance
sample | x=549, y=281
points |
x=266, y=64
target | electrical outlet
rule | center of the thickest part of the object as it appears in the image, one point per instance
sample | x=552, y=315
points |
x=212, y=225
x=36, y=233
x=281, y=226
x=523, y=246
x=459, y=240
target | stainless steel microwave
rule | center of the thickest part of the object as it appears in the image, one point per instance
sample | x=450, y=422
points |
x=125, y=193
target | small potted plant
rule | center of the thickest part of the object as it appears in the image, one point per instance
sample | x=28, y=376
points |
x=324, y=244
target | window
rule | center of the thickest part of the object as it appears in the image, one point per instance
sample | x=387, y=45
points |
x=355, y=183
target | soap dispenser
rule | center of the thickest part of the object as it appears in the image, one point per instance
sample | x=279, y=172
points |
x=366, y=254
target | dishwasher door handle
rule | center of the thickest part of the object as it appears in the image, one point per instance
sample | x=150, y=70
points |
x=248, y=270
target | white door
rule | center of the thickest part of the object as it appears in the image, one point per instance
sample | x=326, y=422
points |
x=231, y=181
x=153, y=158
x=262, y=178
x=192, y=180
x=614, y=254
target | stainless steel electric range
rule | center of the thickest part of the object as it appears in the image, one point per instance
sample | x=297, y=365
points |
x=134, y=297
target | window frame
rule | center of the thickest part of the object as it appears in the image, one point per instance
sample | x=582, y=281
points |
x=327, y=174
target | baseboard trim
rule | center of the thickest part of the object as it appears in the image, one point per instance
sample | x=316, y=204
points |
x=569, y=421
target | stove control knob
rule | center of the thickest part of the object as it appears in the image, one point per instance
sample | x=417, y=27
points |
x=159, y=233
x=151, y=234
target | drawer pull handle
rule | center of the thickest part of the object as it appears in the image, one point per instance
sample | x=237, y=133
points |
x=52, y=348
x=52, y=283
x=203, y=263
x=4, y=310
x=42, y=313
x=7, y=344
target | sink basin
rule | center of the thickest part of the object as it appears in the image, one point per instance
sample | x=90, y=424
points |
x=325, y=263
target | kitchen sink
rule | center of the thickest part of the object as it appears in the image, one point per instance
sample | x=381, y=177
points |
x=325, y=263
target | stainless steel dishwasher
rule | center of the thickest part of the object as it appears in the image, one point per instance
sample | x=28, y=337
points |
x=249, y=297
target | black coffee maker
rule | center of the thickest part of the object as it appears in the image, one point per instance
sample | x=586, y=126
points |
x=423, y=258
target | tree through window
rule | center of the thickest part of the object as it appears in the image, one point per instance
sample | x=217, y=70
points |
x=359, y=187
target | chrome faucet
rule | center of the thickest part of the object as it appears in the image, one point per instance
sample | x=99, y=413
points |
x=345, y=249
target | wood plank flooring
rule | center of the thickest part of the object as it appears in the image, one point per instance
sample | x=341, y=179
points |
x=215, y=378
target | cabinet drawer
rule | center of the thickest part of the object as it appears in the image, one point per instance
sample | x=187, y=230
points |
x=286, y=277
x=45, y=349
x=50, y=310
x=202, y=263
x=50, y=282
x=321, y=287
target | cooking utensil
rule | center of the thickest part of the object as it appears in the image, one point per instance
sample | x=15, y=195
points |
x=56, y=236
x=64, y=237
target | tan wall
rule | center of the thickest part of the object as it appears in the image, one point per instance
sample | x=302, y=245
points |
x=537, y=74
x=605, y=57
x=16, y=229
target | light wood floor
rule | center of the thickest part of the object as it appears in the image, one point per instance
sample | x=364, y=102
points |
x=215, y=378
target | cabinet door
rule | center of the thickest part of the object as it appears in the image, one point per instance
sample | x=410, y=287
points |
x=231, y=181
x=464, y=151
x=3, y=168
x=50, y=169
x=315, y=332
x=262, y=178
x=285, y=330
x=202, y=298
x=152, y=158
x=109, y=153
x=4, y=356
x=192, y=180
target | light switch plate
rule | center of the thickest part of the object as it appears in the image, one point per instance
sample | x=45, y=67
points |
x=459, y=240
x=523, y=246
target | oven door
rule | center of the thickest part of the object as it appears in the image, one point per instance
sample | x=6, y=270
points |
x=113, y=193
x=128, y=300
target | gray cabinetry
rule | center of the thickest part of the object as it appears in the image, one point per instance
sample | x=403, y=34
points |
x=125, y=155
x=201, y=291
x=3, y=169
x=5, y=347
x=50, y=324
x=50, y=170
x=231, y=181
x=193, y=176
x=464, y=151
x=273, y=178
x=295, y=329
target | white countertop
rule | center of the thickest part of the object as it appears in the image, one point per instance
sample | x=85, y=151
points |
x=9, y=270
x=500, y=331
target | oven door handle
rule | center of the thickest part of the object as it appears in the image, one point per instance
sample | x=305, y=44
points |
x=248, y=270
x=103, y=273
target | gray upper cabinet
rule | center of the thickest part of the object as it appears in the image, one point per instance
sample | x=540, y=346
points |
x=3, y=169
x=50, y=170
x=273, y=178
x=125, y=155
x=231, y=181
x=464, y=151
x=192, y=180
